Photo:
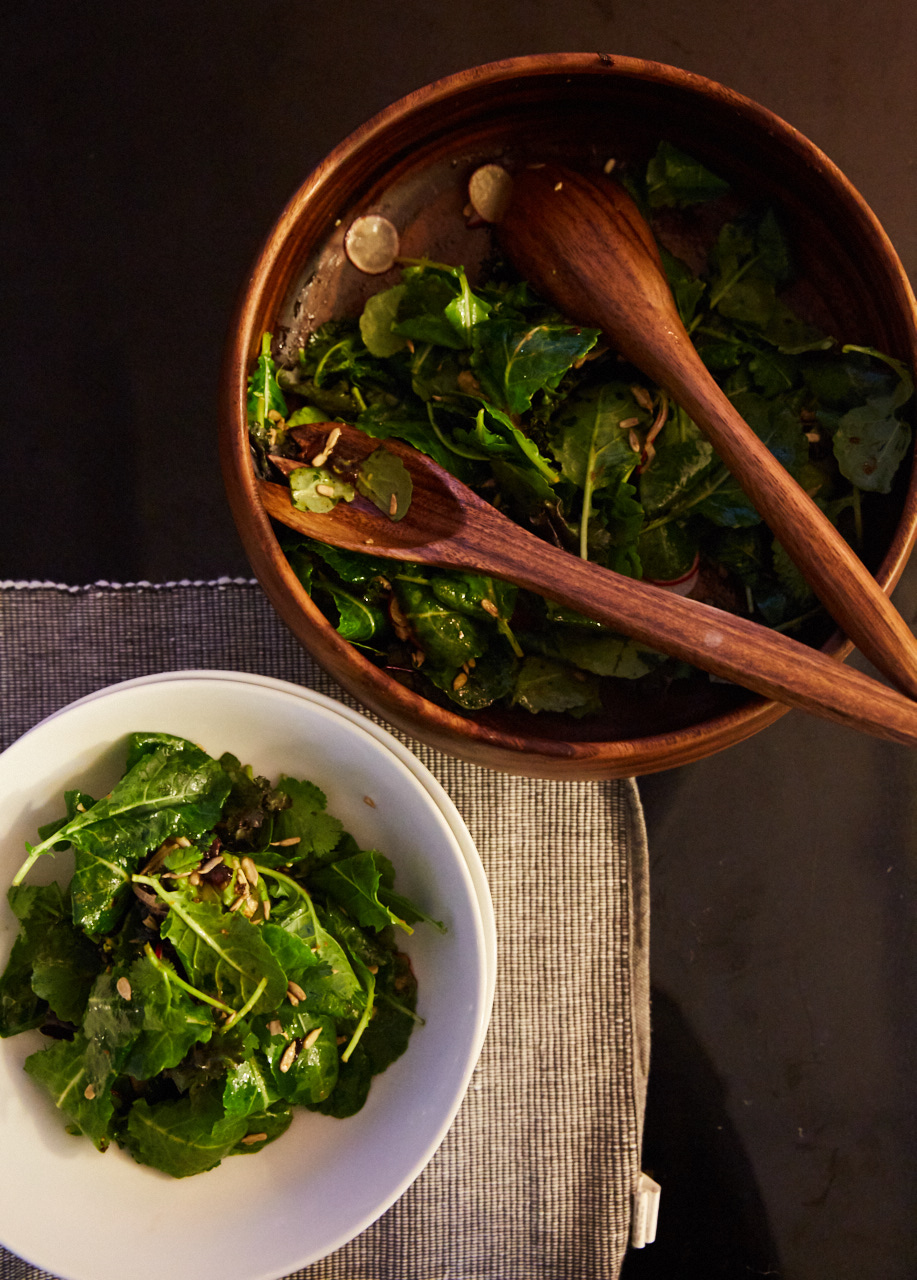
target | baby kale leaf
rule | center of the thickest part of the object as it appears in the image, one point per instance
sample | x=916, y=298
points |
x=175, y=789
x=188, y=1136
x=224, y=955
x=62, y=1071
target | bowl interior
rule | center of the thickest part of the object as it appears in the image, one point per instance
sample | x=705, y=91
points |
x=412, y=164
x=326, y=1179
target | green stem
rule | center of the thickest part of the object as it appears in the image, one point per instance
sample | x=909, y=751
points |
x=265, y=394
x=792, y=623
x=249, y=1004
x=317, y=376
x=425, y=262
x=34, y=854
x=858, y=516
x=401, y=1008
x=364, y=1017
x=292, y=884
x=172, y=976
x=503, y=623
x=588, y=490
x=451, y=445
x=699, y=495
x=728, y=284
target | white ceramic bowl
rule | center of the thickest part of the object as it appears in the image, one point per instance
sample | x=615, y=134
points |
x=85, y=1216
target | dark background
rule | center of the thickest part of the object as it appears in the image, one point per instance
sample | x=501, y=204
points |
x=147, y=150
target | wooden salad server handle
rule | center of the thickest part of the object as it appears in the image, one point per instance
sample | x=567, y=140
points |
x=582, y=243
x=448, y=526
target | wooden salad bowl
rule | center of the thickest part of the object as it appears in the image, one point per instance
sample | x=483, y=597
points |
x=411, y=164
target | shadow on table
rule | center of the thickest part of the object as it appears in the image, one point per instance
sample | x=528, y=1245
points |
x=712, y=1221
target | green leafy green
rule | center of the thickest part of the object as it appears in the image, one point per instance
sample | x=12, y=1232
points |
x=239, y=980
x=184, y=1137
x=62, y=1072
x=264, y=394
x=540, y=417
x=385, y=480
x=317, y=489
x=675, y=178
x=514, y=360
x=174, y=790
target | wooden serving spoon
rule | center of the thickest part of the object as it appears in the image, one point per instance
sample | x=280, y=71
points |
x=449, y=526
x=582, y=242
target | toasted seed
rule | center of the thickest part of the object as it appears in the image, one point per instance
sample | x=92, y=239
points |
x=194, y=878
x=89, y=1092
x=237, y=902
x=489, y=607
x=282, y=844
x=211, y=863
x=274, y=1027
x=642, y=397
x=333, y=437
x=326, y=490
x=295, y=989
x=289, y=1057
x=123, y=988
x=311, y=1037
x=370, y=801
x=609, y=165
x=393, y=505
x=251, y=871
x=251, y=1138
x=399, y=622
x=460, y=680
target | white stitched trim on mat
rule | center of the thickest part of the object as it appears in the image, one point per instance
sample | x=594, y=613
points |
x=8, y=584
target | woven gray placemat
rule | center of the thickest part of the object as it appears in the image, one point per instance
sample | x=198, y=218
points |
x=535, y=1179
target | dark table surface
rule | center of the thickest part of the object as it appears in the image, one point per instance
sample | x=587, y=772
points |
x=147, y=150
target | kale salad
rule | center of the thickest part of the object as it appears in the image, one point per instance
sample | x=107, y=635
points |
x=223, y=953
x=539, y=416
